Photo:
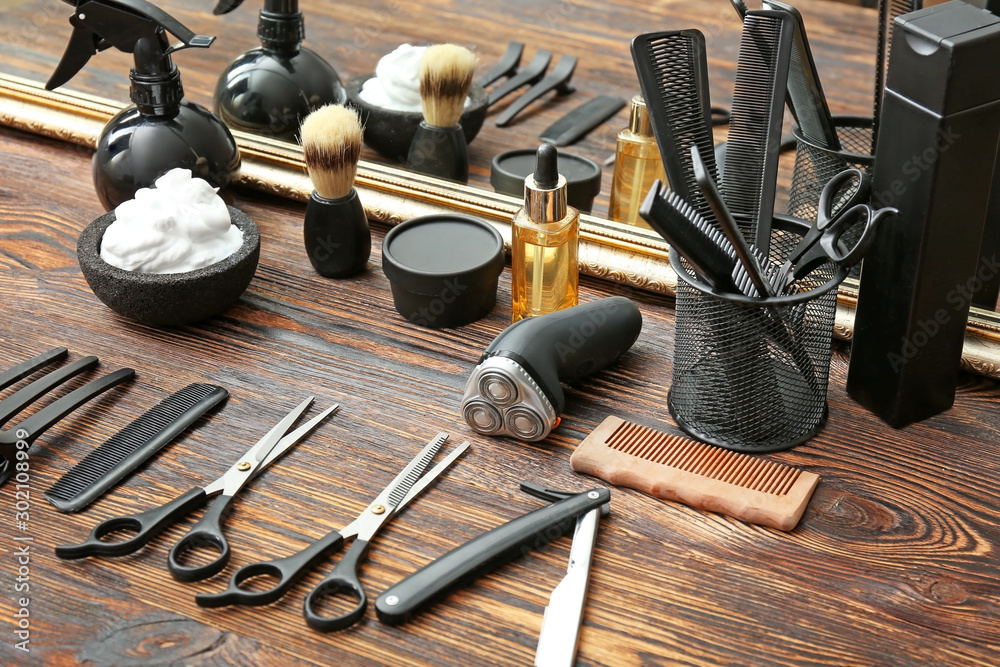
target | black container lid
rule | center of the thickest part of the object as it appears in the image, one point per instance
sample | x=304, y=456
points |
x=583, y=176
x=419, y=253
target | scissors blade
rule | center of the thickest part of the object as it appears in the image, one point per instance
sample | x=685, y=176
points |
x=260, y=451
x=561, y=623
x=433, y=474
x=384, y=506
x=295, y=436
x=243, y=470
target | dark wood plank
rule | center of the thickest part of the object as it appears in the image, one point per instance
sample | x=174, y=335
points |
x=894, y=561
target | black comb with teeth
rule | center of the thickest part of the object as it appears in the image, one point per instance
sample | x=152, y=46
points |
x=754, y=143
x=672, y=67
x=19, y=437
x=805, y=97
x=107, y=465
x=698, y=241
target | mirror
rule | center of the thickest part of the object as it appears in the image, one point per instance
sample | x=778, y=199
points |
x=353, y=38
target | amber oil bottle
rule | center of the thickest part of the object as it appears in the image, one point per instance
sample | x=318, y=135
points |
x=546, y=232
x=637, y=165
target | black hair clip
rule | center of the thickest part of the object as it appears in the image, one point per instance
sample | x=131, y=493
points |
x=558, y=80
x=506, y=66
x=530, y=74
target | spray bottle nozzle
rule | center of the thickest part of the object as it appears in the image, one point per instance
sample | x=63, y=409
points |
x=125, y=25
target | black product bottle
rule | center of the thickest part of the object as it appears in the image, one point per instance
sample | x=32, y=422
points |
x=161, y=131
x=271, y=89
x=936, y=151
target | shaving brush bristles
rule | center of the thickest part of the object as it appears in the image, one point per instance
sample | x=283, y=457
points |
x=331, y=144
x=445, y=78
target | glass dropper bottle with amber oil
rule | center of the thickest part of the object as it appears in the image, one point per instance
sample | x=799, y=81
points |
x=637, y=165
x=546, y=233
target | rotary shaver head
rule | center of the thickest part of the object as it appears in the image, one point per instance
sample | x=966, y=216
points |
x=516, y=388
x=501, y=398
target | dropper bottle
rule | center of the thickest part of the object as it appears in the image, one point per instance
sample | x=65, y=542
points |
x=545, y=240
x=637, y=166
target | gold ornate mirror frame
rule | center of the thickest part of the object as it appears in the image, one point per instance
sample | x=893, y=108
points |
x=608, y=250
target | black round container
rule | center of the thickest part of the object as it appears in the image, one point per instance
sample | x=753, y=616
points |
x=583, y=176
x=443, y=269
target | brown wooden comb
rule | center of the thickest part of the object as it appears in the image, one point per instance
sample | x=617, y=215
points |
x=705, y=477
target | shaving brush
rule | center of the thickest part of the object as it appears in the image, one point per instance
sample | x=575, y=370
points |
x=336, y=232
x=439, y=146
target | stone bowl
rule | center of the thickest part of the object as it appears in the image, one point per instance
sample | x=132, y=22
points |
x=390, y=133
x=169, y=299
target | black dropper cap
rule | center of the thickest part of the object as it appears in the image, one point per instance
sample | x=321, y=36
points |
x=547, y=167
x=545, y=190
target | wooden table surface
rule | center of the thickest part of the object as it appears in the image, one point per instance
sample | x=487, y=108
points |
x=894, y=562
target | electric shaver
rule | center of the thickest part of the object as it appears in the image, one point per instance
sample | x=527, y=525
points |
x=515, y=390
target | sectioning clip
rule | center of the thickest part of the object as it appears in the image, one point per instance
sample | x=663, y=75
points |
x=506, y=66
x=558, y=80
x=530, y=74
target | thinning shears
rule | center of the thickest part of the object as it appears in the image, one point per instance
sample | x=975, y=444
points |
x=344, y=578
x=207, y=533
x=834, y=236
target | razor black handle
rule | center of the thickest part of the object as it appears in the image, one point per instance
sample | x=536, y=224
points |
x=483, y=555
x=570, y=344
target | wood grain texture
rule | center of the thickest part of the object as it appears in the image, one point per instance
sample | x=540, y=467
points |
x=893, y=562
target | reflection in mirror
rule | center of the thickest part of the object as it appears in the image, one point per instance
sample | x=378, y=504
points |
x=352, y=38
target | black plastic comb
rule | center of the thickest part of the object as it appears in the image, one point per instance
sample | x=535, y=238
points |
x=702, y=244
x=21, y=436
x=805, y=97
x=749, y=260
x=754, y=143
x=888, y=10
x=107, y=465
x=672, y=67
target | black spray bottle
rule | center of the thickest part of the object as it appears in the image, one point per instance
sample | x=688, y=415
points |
x=270, y=90
x=934, y=161
x=161, y=131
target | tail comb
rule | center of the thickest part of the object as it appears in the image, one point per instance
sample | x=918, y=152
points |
x=675, y=468
x=673, y=73
x=754, y=143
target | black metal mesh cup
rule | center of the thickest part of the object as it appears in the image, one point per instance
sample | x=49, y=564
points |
x=751, y=374
x=816, y=165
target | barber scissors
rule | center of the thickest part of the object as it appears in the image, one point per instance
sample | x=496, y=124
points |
x=344, y=578
x=828, y=239
x=207, y=533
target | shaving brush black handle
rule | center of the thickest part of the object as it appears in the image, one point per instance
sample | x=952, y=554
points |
x=336, y=234
x=439, y=151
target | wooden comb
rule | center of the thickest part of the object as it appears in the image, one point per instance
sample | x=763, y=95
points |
x=703, y=476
